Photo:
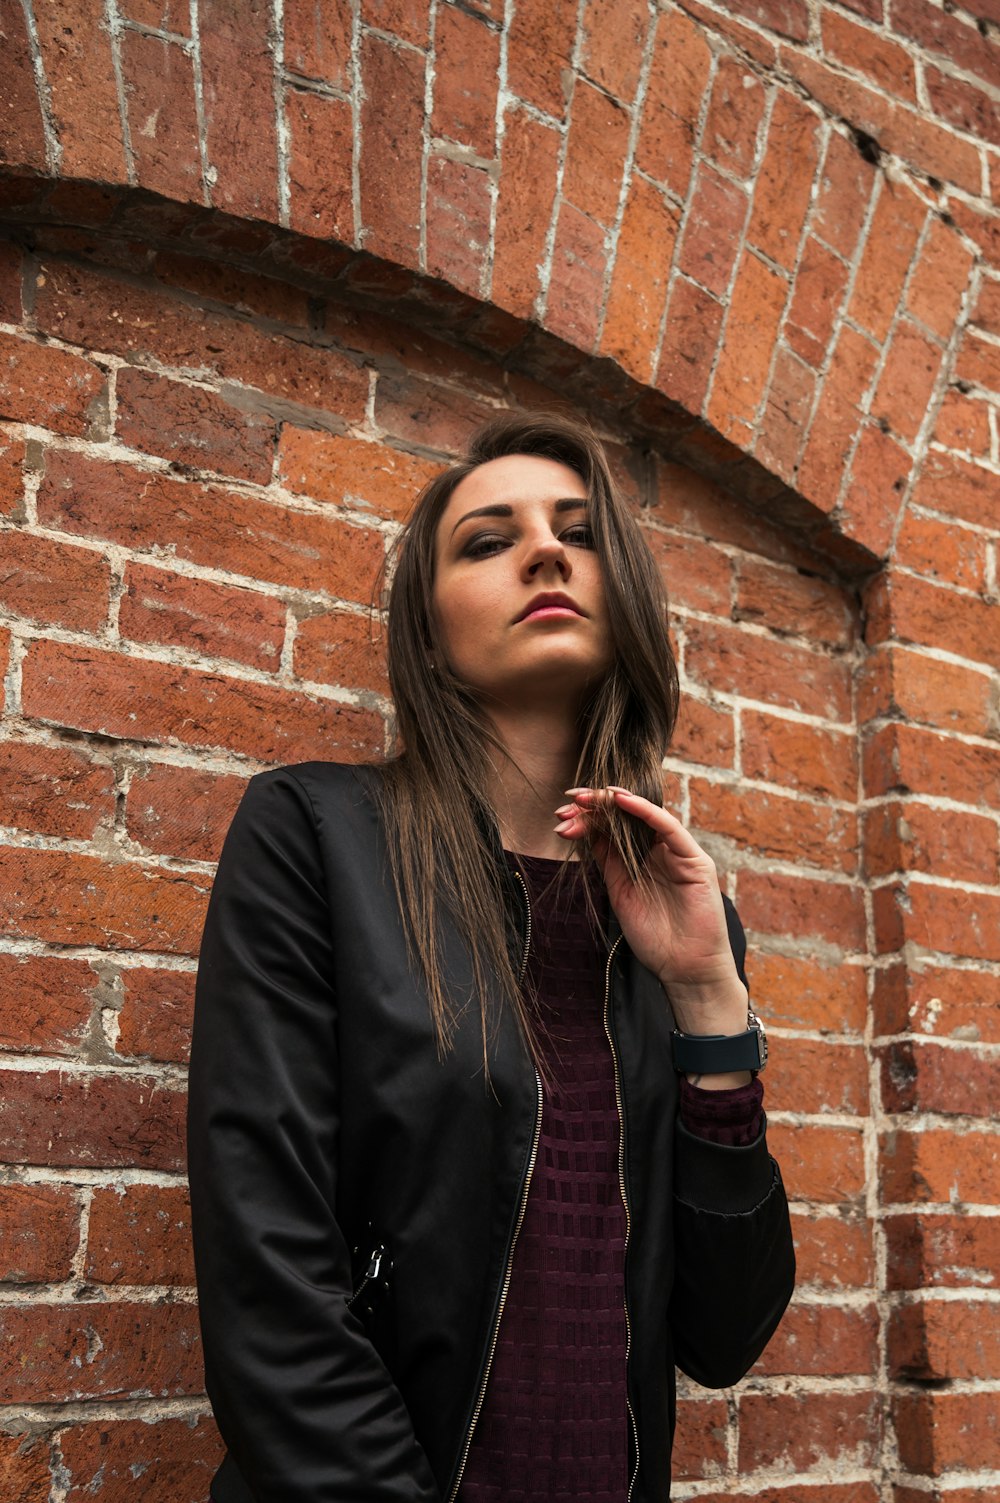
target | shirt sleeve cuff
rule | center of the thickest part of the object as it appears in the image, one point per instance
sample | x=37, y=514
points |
x=733, y=1118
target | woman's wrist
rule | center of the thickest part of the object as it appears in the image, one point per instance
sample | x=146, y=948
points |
x=712, y=1008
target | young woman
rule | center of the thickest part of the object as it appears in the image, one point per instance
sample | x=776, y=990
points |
x=476, y=1143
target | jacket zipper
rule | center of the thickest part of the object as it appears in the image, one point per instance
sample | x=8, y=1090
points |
x=505, y=1286
x=624, y=1195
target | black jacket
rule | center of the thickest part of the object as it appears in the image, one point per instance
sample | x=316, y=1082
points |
x=323, y=1124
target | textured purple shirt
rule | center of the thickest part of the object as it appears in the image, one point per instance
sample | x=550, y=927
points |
x=554, y=1424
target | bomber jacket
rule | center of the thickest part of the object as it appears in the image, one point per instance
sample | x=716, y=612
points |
x=325, y=1126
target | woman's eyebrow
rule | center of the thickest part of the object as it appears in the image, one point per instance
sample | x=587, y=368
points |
x=503, y=509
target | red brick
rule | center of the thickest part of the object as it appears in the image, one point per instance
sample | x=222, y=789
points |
x=822, y=1340
x=938, y=550
x=318, y=40
x=159, y=605
x=156, y=1015
x=699, y=1448
x=953, y=37
x=818, y=293
x=528, y=166
x=338, y=647
x=802, y=906
x=879, y=472
x=939, y=1431
x=789, y=601
x=638, y=290
x=784, y=183
x=237, y=80
x=93, y=1121
x=796, y=992
x=320, y=171
x=986, y=315
x=940, y=1165
x=45, y=1003
x=55, y=1353
x=678, y=78
x=833, y=1251
x=757, y=667
x=908, y=758
x=595, y=151
x=458, y=223
x=164, y=703
x=51, y=582
x=175, y=1458
x=400, y=17
x=785, y=418
x=39, y=1234
x=24, y=1467
x=907, y=381
x=139, y=1234
x=209, y=525
x=162, y=115
x=934, y=615
x=963, y=423
x=245, y=291
x=823, y=1492
x=912, y=837
x=12, y=456
x=697, y=575
x=22, y=136
x=957, y=488
x=11, y=260
x=50, y=387
x=807, y=757
x=937, y=285
x=979, y=362
x=684, y=498
x=735, y=111
x=712, y=231
x=392, y=117
x=887, y=257
x=741, y=372
x=952, y=921
x=181, y=811
x=845, y=187
x=838, y=416
x=964, y=106
x=865, y=51
x=465, y=97
x=942, y=1251
x=921, y=1076
x=690, y=341
x=748, y=39
x=193, y=426
x=704, y=733
x=767, y=824
x=794, y=1432
x=540, y=43
x=939, y=1001
x=435, y=417
x=363, y=475
x=614, y=36
x=935, y=1340
x=75, y=46
x=814, y=1077
x=576, y=285
x=54, y=790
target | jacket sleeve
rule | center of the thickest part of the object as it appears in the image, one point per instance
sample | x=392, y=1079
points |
x=303, y=1401
x=734, y=1265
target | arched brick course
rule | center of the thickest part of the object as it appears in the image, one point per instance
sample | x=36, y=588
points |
x=261, y=267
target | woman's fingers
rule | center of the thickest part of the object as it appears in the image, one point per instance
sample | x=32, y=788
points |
x=666, y=827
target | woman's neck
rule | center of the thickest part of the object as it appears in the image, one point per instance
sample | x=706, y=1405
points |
x=530, y=782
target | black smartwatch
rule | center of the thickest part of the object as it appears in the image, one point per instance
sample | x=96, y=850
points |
x=721, y=1053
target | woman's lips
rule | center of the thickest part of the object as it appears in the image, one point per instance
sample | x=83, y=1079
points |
x=541, y=612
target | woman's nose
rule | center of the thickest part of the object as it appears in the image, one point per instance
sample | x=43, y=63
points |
x=548, y=552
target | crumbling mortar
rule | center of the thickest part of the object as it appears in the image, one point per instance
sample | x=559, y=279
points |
x=53, y=146
x=112, y=22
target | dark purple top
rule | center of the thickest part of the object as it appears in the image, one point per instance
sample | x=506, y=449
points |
x=554, y=1424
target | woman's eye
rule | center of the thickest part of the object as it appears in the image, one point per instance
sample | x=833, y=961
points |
x=484, y=544
x=579, y=536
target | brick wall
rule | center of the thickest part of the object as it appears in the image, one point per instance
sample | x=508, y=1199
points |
x=255, y=283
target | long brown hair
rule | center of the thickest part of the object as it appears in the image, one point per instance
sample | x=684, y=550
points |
x=442, y=834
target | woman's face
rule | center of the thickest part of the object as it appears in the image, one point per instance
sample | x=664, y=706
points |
x=518, y=596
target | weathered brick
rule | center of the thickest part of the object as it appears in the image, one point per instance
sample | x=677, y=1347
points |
x=318, y=40
x=979, y=362
x=953, y=922
x=402, y=18
x=845, y=187
x=822, y=1492
x=39, y=1234
x=639, y=280
x=807, y=757
x=798, y=992
x=75, y=46
x=45, y=1003
x=249, y=292
x=678, y=77
x=819, y=288
x=157, y=1011
x=174, y=1457
x=757, y=667
x=216, y=620
x=193, y=425
x=712, y=232
x=907, y=381
x=50, y=387
x=11, y=272
x=47, y=581
x=697, y=574
x=794, y=1432
x=833, y=1251
x=768, y=824
x=320, y=181
x=814, y=1077
x=741, y=372
x=465, y=98
x=824, y=1340
x=934, y=615
x=420, y=412
x=939, y=550
x=958, y=488
x=528, y=166
x=181, y=811
x=690, y=341
x=907, y=758
x=355, y=472
x=938, y=1001
x=339, y=647
x=748, y=39
x=97, y=1121
x=22, y=135
x=699, y=1448
x=963, y=423
x=704, y=733
x=940, y=1431
x=787, y=600
x=878, y=476
x=942, y=1251
x=888, y=253
x=56, y=1353
x=576, y=285
x=951, y=36
x=54, y=790
x=540, y=42
x=237, y=80
x=24, y=1467
x=614, y=35
x=938, y=282
x=963, y=105
x=162, y=115
x=781, y=194
x=595, y=151
x=209, y=525
x=389, y=171
x=83, y=687
x=986, y=313
x=925, y=1076
x=939, y=1165
x=12, y=455
x=863, y=50
x=139, y=1234
x=911, y=837
x=799, y=906
x=458, y=222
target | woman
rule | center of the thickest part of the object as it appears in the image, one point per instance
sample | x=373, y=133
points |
x=452, y=1227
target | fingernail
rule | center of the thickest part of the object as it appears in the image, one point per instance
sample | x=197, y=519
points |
x=576, y=792
x=566, y=811
x=563, y=826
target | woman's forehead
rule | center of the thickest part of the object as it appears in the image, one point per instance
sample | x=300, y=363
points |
x=513, y=479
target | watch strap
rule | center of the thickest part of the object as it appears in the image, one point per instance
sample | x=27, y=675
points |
x=719, y=1053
